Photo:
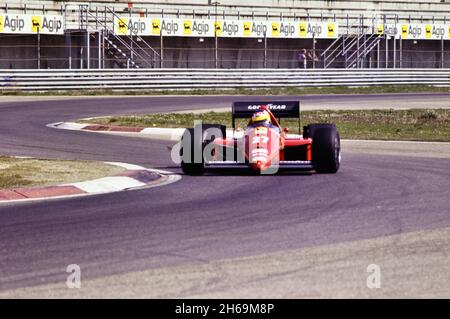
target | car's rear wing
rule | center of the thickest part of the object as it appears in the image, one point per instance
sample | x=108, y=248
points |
x=280, y=109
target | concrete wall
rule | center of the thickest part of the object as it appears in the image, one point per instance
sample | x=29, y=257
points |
x=56, y=52
x=232, y=53
x=22, y=52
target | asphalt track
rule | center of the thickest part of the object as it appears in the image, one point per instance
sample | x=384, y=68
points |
x=200, y=219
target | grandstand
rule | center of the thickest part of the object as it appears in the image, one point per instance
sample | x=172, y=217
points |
x=224, y=34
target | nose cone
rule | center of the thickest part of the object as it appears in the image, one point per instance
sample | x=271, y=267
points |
x=260, y=164
x=262, y=147
x=259, y=158
x=257, y=166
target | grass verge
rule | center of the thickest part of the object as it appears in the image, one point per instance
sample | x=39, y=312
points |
x=242, y=91
x=409, y=125
x=27, y=172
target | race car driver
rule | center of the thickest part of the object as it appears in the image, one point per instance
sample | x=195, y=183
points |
x=261, y=118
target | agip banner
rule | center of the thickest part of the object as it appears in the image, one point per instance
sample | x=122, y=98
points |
x=417, y=31
x=152, y=26
x=166, y=26
x=31, y=23
x=276, y=29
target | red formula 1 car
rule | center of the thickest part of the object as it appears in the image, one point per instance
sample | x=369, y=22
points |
x=265, y=149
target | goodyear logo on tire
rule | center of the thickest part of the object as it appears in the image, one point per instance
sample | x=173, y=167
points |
x=428, y=31
x=449, y=31
x=275, y=29
x=218, y=27
x=405, y=31
x=303, y=30
x=187, y=27
x=1, y=24
x=156, y=26
x=330, y=30
x=122, y=26
x=247, y=28
x=36, y=24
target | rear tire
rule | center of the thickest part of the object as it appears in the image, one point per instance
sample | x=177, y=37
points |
x=326, y=147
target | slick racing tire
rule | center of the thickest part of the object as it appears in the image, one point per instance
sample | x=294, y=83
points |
x=209, y=133
x=191, y=144
x=194, y=143
x=326, y=147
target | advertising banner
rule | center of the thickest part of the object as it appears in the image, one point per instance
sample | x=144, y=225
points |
x=31, y=23
x=423, y=31
x=166, y=26
x=415, y=31
x=152, y=26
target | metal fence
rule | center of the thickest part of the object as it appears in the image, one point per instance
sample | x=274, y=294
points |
x=251, y=55
x=191, y=79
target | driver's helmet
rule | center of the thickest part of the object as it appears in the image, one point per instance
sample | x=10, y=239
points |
x=260, y=118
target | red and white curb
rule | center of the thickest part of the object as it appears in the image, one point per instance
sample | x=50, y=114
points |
x=160, y=133
x=171, y=134
x=134, y=177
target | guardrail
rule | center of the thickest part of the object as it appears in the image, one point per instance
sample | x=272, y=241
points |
x=190, y=79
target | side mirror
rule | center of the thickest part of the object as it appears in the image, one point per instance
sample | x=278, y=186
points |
x=286, y=130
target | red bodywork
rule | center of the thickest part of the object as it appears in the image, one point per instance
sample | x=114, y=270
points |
x=262, y=147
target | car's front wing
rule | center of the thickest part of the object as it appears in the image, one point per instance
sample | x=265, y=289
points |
x=282, y=165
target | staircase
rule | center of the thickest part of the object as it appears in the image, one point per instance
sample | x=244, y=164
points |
x=366, y=43
x=351, y=49
x=127, y=51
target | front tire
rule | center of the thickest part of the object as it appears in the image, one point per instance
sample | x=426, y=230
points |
x=190, y=145
x=326, y=147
